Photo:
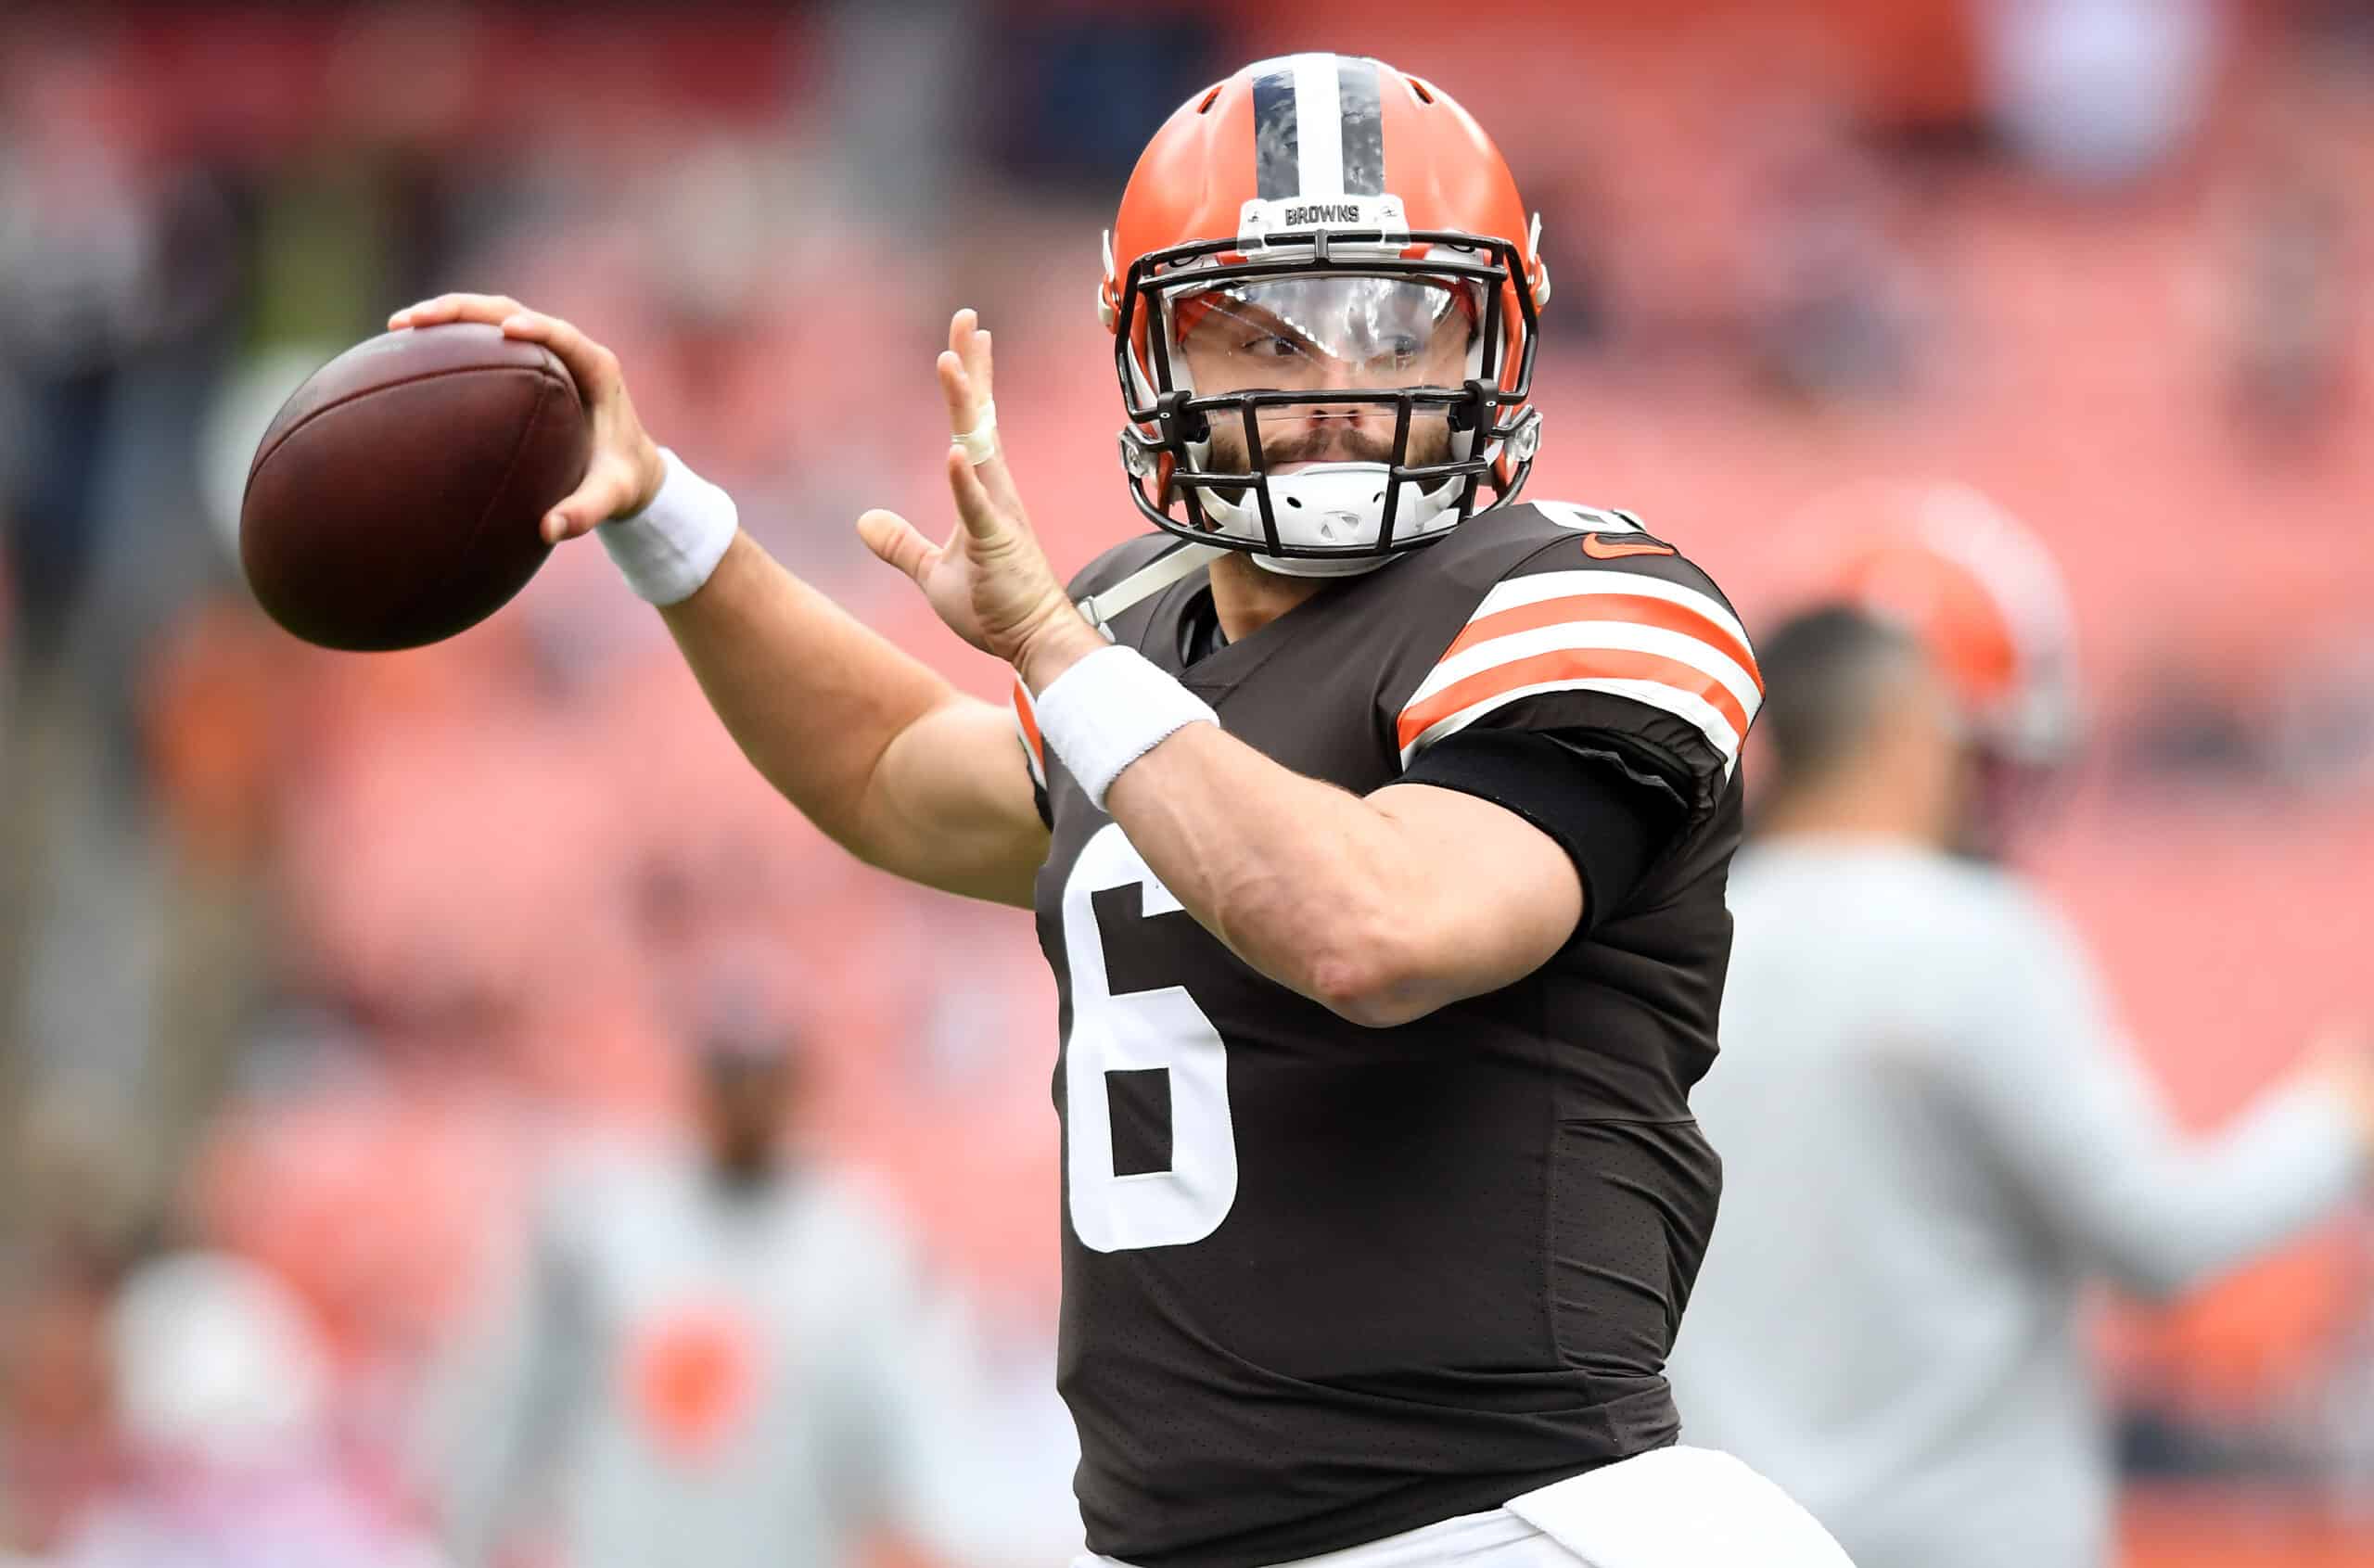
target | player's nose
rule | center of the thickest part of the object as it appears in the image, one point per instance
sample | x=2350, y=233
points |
x=1349, y=424
x=1327, y=411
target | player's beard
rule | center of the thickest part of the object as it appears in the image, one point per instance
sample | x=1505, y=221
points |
x=1329, y=440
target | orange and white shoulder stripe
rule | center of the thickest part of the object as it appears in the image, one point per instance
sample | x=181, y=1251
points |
x=1606, y=630
x=1026, y=727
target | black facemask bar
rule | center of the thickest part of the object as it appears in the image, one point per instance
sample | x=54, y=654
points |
x=1180, y=418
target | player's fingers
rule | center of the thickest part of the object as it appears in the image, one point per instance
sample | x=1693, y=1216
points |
x=595, y=367
x=488, y=308
x=967, y=381
x=968, y=410
x=608, y=490
x=894, y=539
x=971, y=345
x=575, y=517
x=982, y=516
x=956, y=391
x=533, y=326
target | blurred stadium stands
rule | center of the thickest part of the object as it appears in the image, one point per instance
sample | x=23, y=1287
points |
x=313, y=957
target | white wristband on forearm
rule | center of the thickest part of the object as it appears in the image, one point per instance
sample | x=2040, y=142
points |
x=668, y=550
x=1108, y=710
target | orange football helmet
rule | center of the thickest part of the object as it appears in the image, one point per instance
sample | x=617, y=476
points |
x=1322, y=223
x=1985, y=598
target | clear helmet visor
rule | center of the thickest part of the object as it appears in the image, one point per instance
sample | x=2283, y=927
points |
x=1332, y=331
x=1323, y=356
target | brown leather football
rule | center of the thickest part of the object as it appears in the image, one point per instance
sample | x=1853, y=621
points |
x=399, y=495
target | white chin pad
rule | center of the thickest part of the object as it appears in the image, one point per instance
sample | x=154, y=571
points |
x=1332, y=506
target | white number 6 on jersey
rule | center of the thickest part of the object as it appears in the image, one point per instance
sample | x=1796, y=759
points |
x=1137, y=1030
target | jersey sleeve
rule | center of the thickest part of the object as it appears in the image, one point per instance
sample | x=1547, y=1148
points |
x=1611, y=827
x=1608, y=637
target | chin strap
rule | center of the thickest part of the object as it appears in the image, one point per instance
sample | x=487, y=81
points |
x=1145, y=582
x=1319, y=566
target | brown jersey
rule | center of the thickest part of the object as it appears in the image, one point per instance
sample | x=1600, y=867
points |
x=1322, y=1282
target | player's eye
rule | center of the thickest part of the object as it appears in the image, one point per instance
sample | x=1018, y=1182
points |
x=1272, y=346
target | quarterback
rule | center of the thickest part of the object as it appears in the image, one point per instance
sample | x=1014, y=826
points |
x=1376, y=826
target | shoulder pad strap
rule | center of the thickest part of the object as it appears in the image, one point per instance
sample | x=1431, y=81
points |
x=1145, y=582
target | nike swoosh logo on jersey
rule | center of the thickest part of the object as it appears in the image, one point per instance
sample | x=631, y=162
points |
x=1615, y=547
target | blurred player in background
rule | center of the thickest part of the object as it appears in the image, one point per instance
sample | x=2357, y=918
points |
x=1382, y=885
x=727, y=1356
x=233, y=1456
x=1933, y=1137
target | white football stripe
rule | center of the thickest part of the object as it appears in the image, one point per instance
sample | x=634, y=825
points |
x=1512, y=593
x=1318, y=126
x=1656, y=694
x=1628, y=635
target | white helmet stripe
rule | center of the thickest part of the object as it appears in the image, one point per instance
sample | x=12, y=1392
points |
x=1318, y=117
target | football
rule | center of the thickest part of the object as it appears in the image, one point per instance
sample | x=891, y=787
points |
x=396, y=497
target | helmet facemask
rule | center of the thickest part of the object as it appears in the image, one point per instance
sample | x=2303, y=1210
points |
x=1324, y=401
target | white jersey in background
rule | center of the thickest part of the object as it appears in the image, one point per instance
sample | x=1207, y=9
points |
x=741, y=1380
x=1932, y=1137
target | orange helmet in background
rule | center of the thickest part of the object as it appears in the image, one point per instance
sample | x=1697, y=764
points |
x=1332, y=167
x=1981, y=594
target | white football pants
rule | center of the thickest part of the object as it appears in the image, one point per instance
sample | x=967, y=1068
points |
x=1670, y=1508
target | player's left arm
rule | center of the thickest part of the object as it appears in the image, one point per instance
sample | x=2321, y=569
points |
x=1381, y=908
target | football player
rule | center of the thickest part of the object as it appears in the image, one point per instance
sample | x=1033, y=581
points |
x=1376, y=826
x=1935, y=1138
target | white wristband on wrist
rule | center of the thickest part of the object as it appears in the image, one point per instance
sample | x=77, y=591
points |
x=670, y=548
x=1108, y=710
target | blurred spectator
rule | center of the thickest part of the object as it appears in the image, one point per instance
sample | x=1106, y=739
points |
x=220, y=1392
x=2098, y=92
x=58, y=1447
x=1091, y=82
x=729, y=1356
x=2293, y=272
x=2323, y=719
x=79, y=254
x=1830, y=298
